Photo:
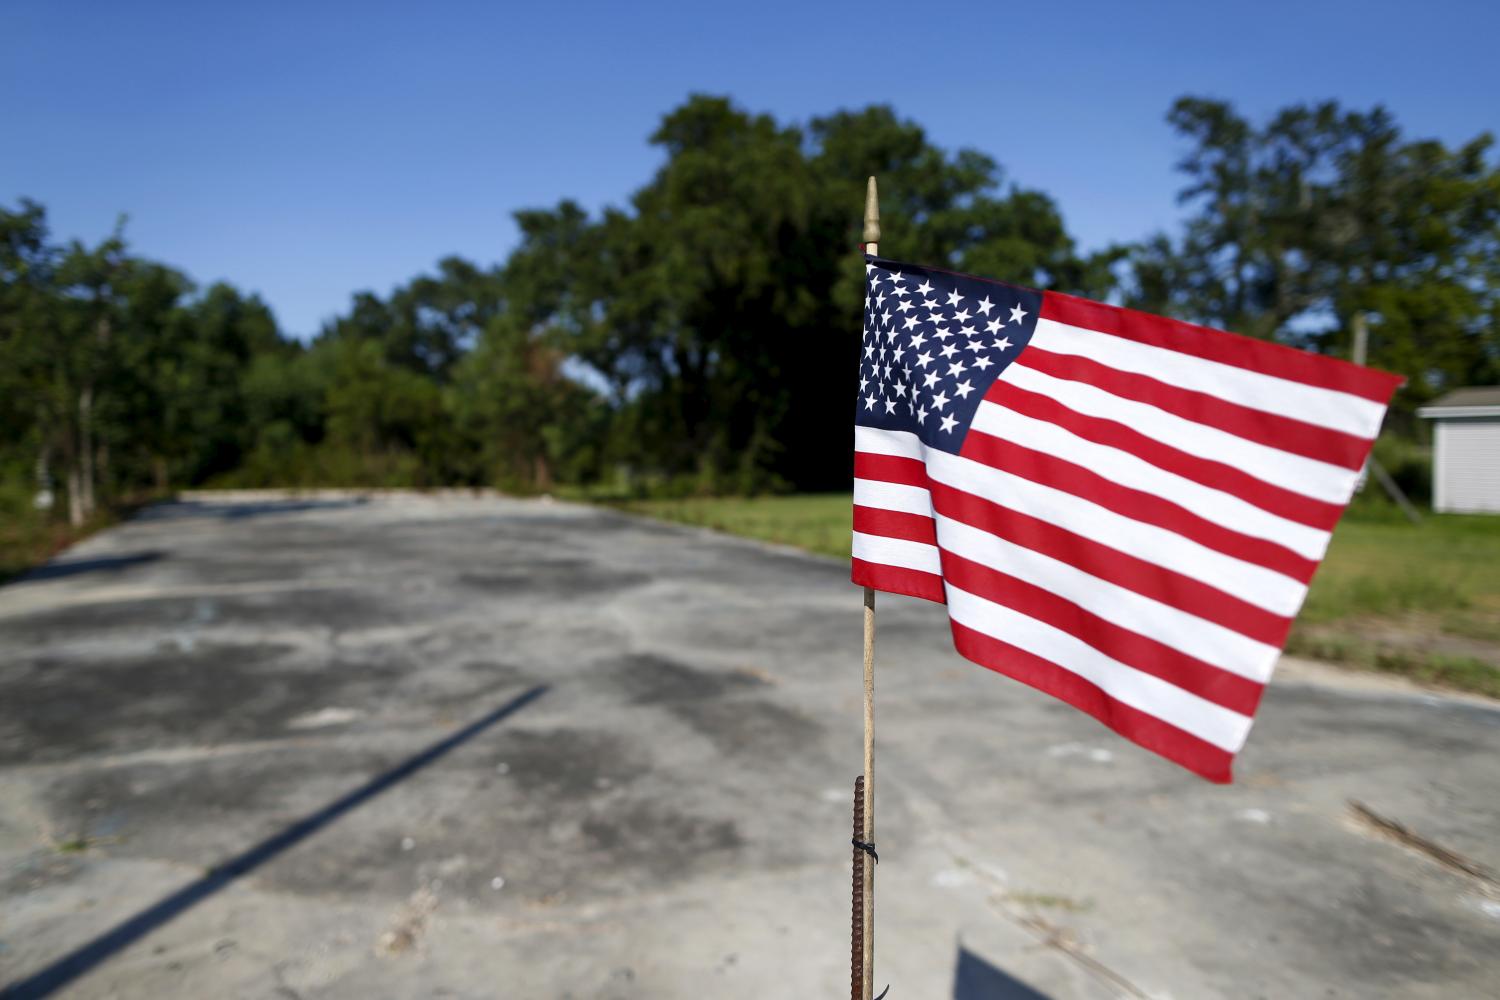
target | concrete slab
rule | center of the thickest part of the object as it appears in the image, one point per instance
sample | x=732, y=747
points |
x=413, y=747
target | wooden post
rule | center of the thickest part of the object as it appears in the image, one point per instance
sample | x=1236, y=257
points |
x=1358, y=354
x=872, y=246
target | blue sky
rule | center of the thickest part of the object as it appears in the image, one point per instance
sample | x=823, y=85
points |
x=306, y=151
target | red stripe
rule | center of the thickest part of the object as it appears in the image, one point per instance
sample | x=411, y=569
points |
x=1226, y=348
x=1218, y=475
x=890, y=469
x=1147, y=579
x=895, y=524
x=1160, y=737
x=1283, y=433
x=1236, y=693
x=899, y=580
x=1047, y=470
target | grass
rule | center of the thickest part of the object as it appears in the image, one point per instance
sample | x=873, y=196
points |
x=1422, y=601
x=817, y=522
x=28, y=540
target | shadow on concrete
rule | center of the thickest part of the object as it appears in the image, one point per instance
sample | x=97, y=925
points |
x=68, y=968
x=976, y=979
x=99, y=564
x=186, y=510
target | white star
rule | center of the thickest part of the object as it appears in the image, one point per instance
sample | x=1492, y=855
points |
x=869, y=350
x=975, y=346
x=917, y=340
x=954, y=298
x=948, y=423
x=880, y=299
x=863, y=382
x=982, y=362
x=890, y=406
x=943, y=333
x=869, y=267
x=1003, y=344
x=956, y=369
x=922, y=415
x=930, y=379
x=1018, y=315
x=923, y=288
x=939, y=401
x=924, y=359
x=931, y=305
x=962, y=315
x=906, y=307
x=994, y=325
x=885, y=317
x=869, y=402
x=911, y=321
x=949, y=350
x=986, y=306
x=963, y=390
x=901, y=388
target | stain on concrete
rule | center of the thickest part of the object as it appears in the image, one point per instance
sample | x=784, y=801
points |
x=59, y=707
x=39, y=870
x=645, y=678
x=659, y=840
x=308, y=607
x=560, y=577
x=564, y=763
x=748, y=727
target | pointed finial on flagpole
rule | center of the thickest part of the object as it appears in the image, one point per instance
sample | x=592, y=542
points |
x=872, y=217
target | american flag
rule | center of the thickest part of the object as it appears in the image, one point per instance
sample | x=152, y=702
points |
x=1121, y=510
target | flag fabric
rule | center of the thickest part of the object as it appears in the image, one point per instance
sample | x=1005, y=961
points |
x=1121, y=510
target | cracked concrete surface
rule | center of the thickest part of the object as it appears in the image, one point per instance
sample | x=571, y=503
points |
x=667, y=816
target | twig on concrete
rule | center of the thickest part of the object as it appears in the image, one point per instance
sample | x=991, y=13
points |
x=1451, y=860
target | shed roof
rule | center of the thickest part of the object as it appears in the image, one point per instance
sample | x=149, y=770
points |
x=1462, y=399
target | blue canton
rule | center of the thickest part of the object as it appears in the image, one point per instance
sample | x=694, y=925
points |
x=934, y=343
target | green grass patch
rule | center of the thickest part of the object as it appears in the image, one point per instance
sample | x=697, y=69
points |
x=1422, y=601
x=29, y=539
x=1463, y=673
x=1448, y=565
x=817, y=522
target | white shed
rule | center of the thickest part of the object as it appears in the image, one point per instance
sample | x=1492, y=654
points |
x=1466, y=450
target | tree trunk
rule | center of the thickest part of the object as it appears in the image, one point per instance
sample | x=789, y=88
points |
x=86, y=449
x=159, y=473
x=542, y=474
x=45, y=496
x=75, y=498
x=101, y=472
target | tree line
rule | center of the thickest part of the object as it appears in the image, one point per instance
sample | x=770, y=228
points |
x=703, y=337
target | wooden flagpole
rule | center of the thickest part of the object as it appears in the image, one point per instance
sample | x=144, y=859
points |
x=872, y=247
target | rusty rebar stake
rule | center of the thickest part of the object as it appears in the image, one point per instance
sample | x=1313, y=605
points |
x=857, y=919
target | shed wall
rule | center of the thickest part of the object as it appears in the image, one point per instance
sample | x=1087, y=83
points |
x=1466, y=465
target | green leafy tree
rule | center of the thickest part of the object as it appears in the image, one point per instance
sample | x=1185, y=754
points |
x=1323, y=213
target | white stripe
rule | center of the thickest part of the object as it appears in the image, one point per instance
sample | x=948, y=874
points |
x=892, y=496
x=1158, y=698
x=897, y=552
x=1340, y=411
x=902, y=444
x=1205, y=640
x=1303, y=475
x=1264, y=588
x=1130, y=470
